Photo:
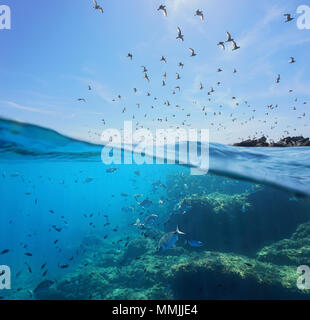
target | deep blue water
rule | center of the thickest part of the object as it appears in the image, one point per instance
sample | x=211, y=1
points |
x=50, y=181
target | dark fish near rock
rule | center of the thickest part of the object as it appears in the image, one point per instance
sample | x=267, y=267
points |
x=56, y=229
x=5, y=251
x=194, y=243
x=29, y=268
x=43, y=286
x=145, y=203
x=18, y=274
x=44, y=273
x=124, y=194
x=111, y=170
x=248, y=264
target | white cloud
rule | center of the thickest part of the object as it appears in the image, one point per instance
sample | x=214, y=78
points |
x=26, y=108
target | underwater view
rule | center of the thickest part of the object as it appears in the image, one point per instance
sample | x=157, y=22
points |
x=154, y=150
x=74, y=228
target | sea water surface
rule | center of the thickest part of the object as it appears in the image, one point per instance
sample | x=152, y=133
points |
x=66, y=217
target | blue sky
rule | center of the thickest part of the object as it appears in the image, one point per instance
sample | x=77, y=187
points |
x=56, y=48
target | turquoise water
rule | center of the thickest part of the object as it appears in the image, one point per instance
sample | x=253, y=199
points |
x=57, y=198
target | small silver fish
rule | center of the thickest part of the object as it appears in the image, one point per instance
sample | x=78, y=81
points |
x=138, y=224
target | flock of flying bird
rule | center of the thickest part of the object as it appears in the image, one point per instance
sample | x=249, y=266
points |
x=177, y=89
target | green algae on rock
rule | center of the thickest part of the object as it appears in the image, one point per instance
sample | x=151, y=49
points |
x=227, y=276
x=241, y=223
x=294, y=251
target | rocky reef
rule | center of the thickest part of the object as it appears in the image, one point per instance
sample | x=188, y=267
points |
x=294, y=251
x=240, y=223
x=177, y=274
x=140, y=272
x=285, y=142
x=215, y=275
x=253, y=241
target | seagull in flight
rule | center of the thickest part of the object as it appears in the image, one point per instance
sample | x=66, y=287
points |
x=221, y=44
x=81, y=99
x=181, y=65
x=292, y=60
x=229, y=38
x=235, y=46
x=180, y=35
x=97, y=7
x=129, y=56
x=89, y=87
x=163, y=9
x=163, y=59
x=288, y=17
x=144, y=69
x=146, y=77
x=278, y=79
x=193, y=54
x=199, y=14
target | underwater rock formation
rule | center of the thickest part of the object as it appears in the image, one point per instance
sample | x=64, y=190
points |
x=181, y=274
x=240, y=223
x=253, y=240
x=294, y=251
x=224, y=276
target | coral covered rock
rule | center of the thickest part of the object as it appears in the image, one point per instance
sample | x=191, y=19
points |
x=294, y=251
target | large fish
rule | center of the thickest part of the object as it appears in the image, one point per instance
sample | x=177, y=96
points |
x=169, y=239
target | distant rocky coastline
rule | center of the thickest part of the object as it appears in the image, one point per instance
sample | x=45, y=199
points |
x=285, y=142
